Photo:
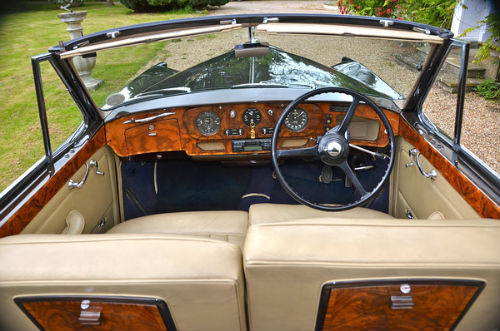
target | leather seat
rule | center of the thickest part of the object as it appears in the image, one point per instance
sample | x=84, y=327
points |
x=199, y=279
x=225, y=225
x=275, y=213
x=231, y=225
x=286, y=264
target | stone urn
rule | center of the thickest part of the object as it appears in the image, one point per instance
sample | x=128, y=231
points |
x=83, y=64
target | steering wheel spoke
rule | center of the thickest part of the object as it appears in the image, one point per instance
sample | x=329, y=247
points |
x=298, y=152
x=333, y=149
x=351, y=175
x=348, y=116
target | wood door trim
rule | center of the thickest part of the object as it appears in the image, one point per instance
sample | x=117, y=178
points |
x=32, y=305
x=481, y=203
x=30, y=208
x=468, y=288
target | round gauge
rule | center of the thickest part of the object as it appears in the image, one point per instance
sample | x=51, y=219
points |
x=208, y=123
x=251, y=115
x=297, y=119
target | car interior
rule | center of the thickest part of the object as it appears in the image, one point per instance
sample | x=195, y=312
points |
x=215, y=216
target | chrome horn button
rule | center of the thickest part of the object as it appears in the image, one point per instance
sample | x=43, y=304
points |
x=333, y=148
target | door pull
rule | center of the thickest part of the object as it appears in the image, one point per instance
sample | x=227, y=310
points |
x=92, y=163
x=72, y=184
x=415, y=158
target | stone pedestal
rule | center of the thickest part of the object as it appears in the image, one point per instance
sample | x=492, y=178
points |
x=83, y=65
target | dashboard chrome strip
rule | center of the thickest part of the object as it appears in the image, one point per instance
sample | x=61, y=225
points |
x=148, y=119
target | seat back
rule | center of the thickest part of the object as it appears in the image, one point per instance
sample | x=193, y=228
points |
x=276, y=213
x=292, y=270
x=200, y=280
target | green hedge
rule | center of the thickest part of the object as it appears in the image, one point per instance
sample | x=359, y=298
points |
x=432, y=12
x=163, y=5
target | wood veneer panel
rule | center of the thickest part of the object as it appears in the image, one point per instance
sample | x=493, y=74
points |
x=187, y=136
x=436, y=307
x=30, y=208
x=483, y=205
x=267, y=121
x=160, y=136
x=133, y=138
x=64, y=315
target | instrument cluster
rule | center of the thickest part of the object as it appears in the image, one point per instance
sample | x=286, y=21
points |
x=247, y=120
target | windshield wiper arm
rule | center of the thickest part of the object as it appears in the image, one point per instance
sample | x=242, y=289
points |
x=267, y=84
x=162, y=91
x=258, y=85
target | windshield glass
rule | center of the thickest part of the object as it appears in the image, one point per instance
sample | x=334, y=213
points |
x=228, y=60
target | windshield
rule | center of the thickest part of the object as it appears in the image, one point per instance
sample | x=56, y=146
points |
x=228, y=60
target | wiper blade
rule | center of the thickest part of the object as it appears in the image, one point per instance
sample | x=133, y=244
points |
x=164, y=91
x=261, y=84
x=268, y=84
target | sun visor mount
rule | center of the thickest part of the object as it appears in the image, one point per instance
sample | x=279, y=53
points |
x=251, y=49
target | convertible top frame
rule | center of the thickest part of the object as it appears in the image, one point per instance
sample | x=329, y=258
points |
x=382, y=32
x=250, y=19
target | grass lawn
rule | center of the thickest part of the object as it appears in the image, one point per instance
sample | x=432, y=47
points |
x=31, y=32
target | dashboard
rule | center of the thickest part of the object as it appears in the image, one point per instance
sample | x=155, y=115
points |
x=240, y=128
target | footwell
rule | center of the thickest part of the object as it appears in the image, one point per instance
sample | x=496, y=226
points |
x=162, y=186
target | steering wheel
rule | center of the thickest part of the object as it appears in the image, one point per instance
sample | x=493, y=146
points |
x=333, y=149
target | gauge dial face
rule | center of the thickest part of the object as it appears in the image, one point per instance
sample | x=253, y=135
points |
x=297, y=119
x=208, y=123
x=252, y=115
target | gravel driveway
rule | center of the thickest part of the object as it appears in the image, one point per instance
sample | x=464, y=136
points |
x=481, y=122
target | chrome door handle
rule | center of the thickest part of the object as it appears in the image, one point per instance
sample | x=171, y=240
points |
x=72, y=184
x=92, y=163
x=414, y=153
x=431, y=174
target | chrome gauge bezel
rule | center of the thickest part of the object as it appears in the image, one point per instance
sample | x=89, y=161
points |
x=299, y=127
x=208, y=128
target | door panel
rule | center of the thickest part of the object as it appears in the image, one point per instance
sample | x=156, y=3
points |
x=29, y=203
x=95, y=200
x=482, y=204
x=422, y=196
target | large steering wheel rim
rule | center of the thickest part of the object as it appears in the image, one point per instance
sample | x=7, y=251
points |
x=332, y=144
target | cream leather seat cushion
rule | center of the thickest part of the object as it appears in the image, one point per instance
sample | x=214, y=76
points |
x=273, y=213
x=225, y=225
x=200, y=279
x=286, y=264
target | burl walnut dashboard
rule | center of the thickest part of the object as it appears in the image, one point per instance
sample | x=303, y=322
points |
x=244, y=128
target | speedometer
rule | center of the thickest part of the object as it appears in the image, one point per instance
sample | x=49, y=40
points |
x=296, y=120
x=208, y=123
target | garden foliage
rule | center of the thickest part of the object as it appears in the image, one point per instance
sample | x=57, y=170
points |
x=432, y=12
x=489, y=89
x=492, y=22
x=163, y=5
